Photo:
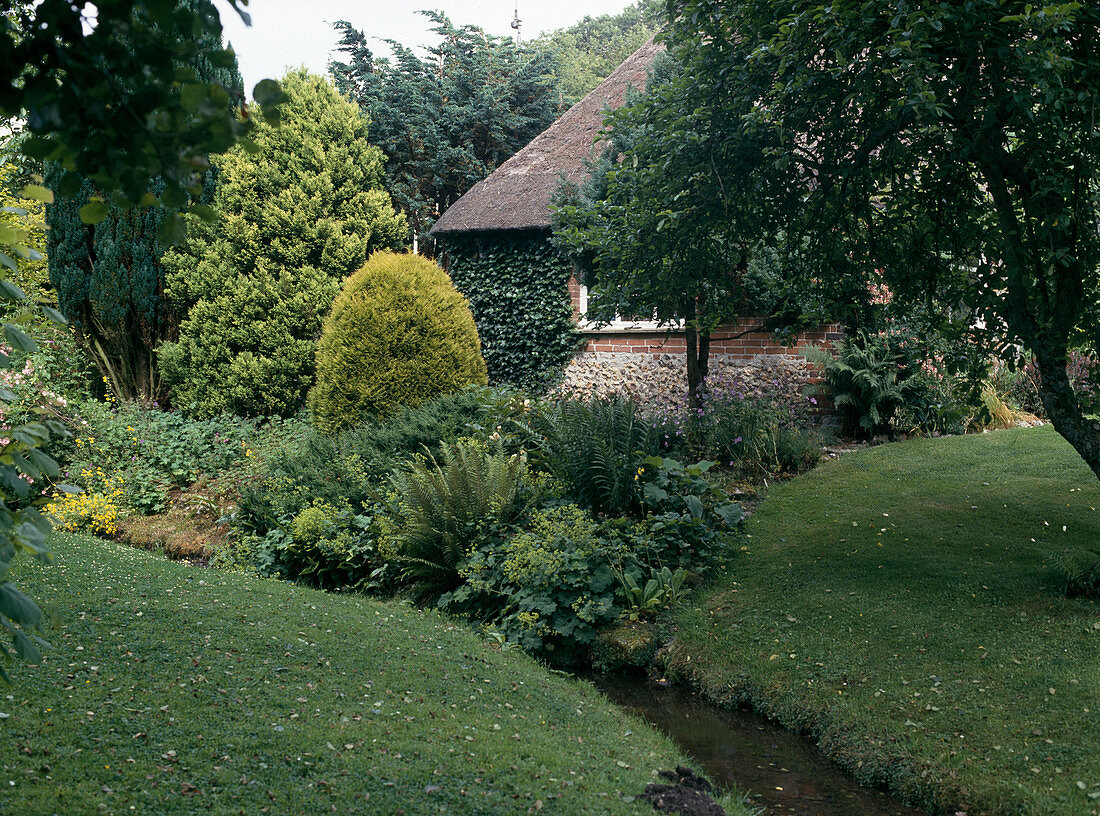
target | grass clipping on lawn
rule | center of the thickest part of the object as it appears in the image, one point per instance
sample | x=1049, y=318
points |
x=172, y=689
x=897, y=604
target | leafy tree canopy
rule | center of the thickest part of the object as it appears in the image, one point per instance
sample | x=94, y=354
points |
x=663, y=228
x=25, y=220
x=109, y=278
x=447, y=120
x=590, y=50
x=105, y=98
x=110, y=91
x=952, y=146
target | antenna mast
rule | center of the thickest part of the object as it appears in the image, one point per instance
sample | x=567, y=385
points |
x=516, y=23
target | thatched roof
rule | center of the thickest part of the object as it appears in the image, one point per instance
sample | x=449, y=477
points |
x=517, y=195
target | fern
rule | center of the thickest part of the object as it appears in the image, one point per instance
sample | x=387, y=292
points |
x=1078, y=572
x=595, y=448
x=446, y=507
x=862, y=379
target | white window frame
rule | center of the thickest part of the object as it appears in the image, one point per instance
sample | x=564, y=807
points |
x=618, y=325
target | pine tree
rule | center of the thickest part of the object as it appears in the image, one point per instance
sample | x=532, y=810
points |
x=299, y=214
x=109, y=277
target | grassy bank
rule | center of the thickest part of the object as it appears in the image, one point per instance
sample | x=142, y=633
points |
x=898, y=605
x=172, y=689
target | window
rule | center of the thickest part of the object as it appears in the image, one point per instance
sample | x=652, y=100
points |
x=619, y=324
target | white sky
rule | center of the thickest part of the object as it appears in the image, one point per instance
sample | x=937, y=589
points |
x=288, y=33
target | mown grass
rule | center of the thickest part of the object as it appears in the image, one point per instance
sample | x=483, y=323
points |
x=173, y=690
x=897, y=604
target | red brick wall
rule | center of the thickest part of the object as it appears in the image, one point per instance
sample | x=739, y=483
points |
x=725, y=341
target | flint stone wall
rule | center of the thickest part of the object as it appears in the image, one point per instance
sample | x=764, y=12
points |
x=660, y=380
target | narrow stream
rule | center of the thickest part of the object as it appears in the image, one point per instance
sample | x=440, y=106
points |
x=777, y=769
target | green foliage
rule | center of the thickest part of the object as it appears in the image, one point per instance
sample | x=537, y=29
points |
x=516, y=285
x=23, y=462
x=969, y=196
x=660, y=589
x=350, y=467
x=670, y=486
x=1078, y=572
x=865, y=381
x=27, y=218
x=758, y=435
x=596, y=448
x=327, y=547
x=547, y=588
x=155, y=452
x=591, y=49
x=108, y=276
x=398, y=334
x=303, y=209
x=759, y=440
x=447, y=508
x=688, y=520
x=449, y=521
x=447, y=120
x=71, y=80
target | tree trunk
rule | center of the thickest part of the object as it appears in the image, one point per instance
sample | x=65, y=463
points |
x=1043, y=320
x=1064, y=411
x=698, y=355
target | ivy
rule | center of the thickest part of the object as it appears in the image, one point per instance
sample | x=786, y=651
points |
x=516, y=283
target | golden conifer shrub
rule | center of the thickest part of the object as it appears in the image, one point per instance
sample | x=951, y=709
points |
x=399, y=334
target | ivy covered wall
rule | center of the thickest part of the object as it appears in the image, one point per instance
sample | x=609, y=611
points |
x=516, y=282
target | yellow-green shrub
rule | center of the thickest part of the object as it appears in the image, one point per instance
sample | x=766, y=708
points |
x=399, y=334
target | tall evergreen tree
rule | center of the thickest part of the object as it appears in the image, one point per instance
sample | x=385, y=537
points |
x=108, y=276
x=449, y=120
x=300, y=213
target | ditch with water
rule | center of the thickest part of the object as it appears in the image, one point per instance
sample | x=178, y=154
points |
x=775, y=768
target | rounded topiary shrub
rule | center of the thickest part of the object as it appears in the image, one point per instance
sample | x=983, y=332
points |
x=398, y=334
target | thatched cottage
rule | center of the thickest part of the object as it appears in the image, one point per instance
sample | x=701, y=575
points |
x=530, y=308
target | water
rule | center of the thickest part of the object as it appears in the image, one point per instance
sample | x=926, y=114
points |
x=776, y=768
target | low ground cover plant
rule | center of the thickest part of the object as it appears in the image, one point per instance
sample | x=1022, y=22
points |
x=507, y=511
x=753, y=434
x=904, y=605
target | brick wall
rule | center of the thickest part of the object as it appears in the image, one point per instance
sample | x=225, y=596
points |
x=647, y=362
x=734, y=341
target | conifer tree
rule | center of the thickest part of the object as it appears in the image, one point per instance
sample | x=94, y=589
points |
x=108, y=276
x=299, y=214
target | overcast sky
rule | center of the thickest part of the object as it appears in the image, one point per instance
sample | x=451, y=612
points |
x=288, y=33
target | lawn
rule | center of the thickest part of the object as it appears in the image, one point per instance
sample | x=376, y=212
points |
x=897, y=604
x=172, y=689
